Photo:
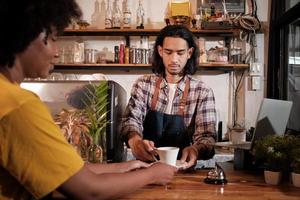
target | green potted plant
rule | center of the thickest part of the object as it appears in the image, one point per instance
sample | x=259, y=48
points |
x=96, y=111
x=296, y=168
x=295, y=162
x=272, y=152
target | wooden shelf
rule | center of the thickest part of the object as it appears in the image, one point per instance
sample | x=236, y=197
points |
x=226, y=33
x=209, y=66
x=104, y=65
x=143, y=32
x=224, y=65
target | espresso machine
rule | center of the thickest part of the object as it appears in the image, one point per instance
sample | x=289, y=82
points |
x=54, y=94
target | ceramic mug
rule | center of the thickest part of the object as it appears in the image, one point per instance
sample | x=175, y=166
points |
x=168, y=155
x=238, y=136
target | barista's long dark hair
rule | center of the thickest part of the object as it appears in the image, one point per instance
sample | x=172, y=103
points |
x=23, y=20
x=177, y=31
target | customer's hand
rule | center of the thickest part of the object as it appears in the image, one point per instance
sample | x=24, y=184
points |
x=142, y=149
x=133, y=164
x=189, y=155
x=162, y=174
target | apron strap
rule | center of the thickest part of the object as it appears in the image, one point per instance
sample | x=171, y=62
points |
x=184, y=97
x=182, y=100
x=156, y=92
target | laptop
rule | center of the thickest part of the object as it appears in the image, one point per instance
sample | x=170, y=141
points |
x=272, y=119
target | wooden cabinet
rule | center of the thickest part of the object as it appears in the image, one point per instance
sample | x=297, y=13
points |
x=127, y=33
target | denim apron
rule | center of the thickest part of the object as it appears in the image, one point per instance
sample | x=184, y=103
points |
x=165, y=129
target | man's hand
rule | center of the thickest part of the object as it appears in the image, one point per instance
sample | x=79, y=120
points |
x=142, y=149
x=189, y=155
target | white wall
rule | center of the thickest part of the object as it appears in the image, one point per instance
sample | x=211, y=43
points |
x=219, y=82
x=254, y=98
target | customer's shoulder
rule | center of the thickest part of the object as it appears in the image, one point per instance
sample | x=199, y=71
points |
x=15, y=93
x=13, y=97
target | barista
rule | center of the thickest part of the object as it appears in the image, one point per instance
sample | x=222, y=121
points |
x=170, y=107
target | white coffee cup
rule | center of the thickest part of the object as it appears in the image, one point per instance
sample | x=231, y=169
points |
x=238, y=136
x=168, y=155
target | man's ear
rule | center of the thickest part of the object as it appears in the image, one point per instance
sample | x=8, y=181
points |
x=190, y=52
x=160, y=50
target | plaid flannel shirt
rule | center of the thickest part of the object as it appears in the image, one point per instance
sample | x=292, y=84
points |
x=199, y=110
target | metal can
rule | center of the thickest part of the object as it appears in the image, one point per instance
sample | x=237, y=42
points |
x=150, y=53
x=236, y=55
x=138, y=56
x=126, y=55
x=143, y=56
x=132, y=52
x=147, y=53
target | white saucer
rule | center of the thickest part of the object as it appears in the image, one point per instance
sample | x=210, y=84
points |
x=181, y=165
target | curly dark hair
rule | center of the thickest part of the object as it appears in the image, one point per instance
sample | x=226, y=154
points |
x=23, y=20
x=178, y=31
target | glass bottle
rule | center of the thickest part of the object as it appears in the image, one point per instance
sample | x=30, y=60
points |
x=167, y=16
x=95, y=153
x=126, y=15
x=95, y=16
x=140, y=13
x=101, y=22
x=122, y=53
x=126, y=59
x=116, y=19
x=212, y=10
x=117, y=51
x=108, y=15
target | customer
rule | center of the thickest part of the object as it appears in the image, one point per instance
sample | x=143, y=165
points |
x=169, y=107
x=35, y=159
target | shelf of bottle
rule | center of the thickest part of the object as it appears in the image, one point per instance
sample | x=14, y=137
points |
x=143, y=32
x=225, y=66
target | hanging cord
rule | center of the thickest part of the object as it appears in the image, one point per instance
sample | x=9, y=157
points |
x=237, y=89
x=250, y=55
x=225, y=11
x=250, y=24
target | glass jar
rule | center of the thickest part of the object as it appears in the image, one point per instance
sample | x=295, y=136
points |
x=236, y=55
x=90, y=56
x=222, y=54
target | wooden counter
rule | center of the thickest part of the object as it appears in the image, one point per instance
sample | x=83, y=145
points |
x=241, y=185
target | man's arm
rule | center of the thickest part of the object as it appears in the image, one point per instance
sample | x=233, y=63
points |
x=132, y=125
x=203, y=138
x=136, y=109
x=205, y=131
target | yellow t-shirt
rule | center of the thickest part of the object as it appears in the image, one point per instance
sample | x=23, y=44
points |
x=35, y=158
